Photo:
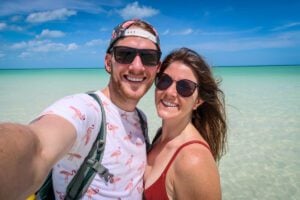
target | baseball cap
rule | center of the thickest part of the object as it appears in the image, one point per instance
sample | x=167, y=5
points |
x=123, y=30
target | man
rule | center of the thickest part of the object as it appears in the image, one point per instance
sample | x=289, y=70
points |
x=61, y=137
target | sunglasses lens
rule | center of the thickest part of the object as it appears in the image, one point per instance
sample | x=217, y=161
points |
x=150, y=57
x=185, y=87
x=163, y=81
x=124, y=55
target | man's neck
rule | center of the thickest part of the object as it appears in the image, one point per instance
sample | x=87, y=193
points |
x=122, y=103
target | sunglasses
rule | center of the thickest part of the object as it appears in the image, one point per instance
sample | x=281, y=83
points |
x=184, y=87
x=125, y=55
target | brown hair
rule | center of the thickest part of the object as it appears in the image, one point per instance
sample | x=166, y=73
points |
x=210, y=117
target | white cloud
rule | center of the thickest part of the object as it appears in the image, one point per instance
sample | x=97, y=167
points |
x=104, y=29
x=95, y=42
x=72, y=46
x=228, y=33
x=288, y=39
x=135, y=11
x=286, y=26
x=185, y=32
x=2, y=26
x=19, y=45
x=19, y=7
x=44, y=46
x=46, y=33
x=166, y=32
x=59, y=14
x=24, y=54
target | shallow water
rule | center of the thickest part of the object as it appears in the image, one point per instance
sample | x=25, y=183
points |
x=263, y=109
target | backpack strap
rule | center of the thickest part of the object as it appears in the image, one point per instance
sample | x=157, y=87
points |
x=92, y=163
x=144, y=129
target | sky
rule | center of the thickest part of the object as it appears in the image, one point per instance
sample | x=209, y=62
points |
x=75, y=33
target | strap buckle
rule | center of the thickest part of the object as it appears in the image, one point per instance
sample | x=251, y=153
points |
x=101, y=170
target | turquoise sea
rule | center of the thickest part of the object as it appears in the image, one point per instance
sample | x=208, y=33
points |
x=263, y=106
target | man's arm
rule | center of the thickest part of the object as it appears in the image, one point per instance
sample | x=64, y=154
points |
x=28, y=152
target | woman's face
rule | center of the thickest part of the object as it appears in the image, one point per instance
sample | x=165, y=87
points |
x=169, y=103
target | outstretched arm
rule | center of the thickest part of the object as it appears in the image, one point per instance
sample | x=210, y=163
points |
x=28, y=152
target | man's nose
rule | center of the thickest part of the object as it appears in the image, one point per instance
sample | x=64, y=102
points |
x=137, y=63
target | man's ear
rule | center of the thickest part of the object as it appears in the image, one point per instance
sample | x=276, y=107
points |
x=108, y=62
x=197, y=103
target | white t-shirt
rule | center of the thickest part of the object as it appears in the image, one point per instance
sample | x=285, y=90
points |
x=124, y=153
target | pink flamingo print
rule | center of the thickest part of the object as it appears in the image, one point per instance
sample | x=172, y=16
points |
x=129, y=161
x=73, y=155
x=87, y=136
x=61, y=195
x=115, y=179
x=129, y=185
x=77, y=113
x=116, y=154
x=128, y=136
x=140, y=189
x=141, y=168
x=91, y=192
x=136, y=124
x=67, y=174
x=112, y=128
x=106, y=106
x=124, y=116
x=139, y=142
x=93, y=106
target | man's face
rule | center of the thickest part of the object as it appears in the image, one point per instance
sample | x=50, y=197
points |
x=131, y=81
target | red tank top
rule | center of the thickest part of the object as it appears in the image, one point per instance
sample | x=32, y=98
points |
x=158, y=189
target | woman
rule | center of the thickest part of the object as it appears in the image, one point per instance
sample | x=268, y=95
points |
x=182, y=161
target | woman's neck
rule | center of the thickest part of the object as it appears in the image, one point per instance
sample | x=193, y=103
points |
x=172, y=129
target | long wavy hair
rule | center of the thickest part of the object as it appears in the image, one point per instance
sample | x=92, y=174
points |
x=210, y=117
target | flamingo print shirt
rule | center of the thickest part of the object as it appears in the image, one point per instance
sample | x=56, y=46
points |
x=124, y=154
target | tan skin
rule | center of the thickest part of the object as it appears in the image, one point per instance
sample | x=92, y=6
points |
x=193, y=174
x=28, y=152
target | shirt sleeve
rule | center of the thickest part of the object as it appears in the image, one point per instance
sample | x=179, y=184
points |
x=81, y=110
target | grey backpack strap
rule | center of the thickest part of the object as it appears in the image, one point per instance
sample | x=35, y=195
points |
x=92, y=163
x=144, y=129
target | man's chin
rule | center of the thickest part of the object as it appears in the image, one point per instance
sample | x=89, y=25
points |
x=135, y=94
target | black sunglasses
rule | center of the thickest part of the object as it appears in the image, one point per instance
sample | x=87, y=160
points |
x=184, y=87
x=125, y=55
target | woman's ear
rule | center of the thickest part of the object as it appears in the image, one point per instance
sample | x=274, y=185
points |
x=197, y=103
x=108, y=63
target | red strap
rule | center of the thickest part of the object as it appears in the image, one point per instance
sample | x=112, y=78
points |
x=184, y=145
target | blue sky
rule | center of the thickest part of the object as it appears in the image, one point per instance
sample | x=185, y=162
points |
x=75, y=33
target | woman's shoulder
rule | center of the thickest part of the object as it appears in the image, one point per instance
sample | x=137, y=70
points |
x=195, y=173
x=193, y=156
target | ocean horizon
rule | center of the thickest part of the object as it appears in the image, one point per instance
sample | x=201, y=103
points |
x=217, y=66
x=263, y=114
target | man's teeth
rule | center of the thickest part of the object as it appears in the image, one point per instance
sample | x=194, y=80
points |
x=134, y=79
x=169, y=104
